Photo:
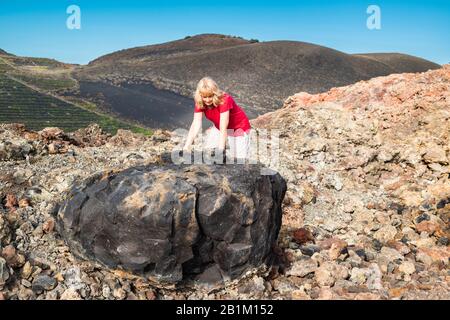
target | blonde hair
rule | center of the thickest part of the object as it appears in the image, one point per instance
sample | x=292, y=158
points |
x=208, y=86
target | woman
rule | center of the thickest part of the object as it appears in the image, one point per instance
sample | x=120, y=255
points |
x=229, y=121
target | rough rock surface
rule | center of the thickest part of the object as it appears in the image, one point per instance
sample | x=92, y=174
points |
x=170, y=221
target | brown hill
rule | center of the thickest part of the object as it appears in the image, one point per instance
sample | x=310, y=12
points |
x=259, y=74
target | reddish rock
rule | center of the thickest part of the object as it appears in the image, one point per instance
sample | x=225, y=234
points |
x=91, y=136
x=433, y=255
x=327, y=243
x=11, y=202
x=399, y=246
x=334, y=247
x=302, y=236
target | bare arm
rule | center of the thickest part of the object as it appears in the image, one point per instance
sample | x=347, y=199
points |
x=193, y=131
x=224, y=119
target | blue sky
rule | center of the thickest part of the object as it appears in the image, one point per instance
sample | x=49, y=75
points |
x=38, y=28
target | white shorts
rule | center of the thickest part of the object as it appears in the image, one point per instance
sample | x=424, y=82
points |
x=239, y=145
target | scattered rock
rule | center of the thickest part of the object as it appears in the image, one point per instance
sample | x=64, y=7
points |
x=70, y=294
x=385, y=234
x=11, y=202
x=427, y=226
x=4, y=272
x=359, y=275
x=432, y=255
x=12, y=257
x=49, y=225
x=27, y=270
x=407, y=267
x=328, y=272
x=43, y=282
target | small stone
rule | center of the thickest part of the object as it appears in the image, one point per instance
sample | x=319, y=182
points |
x=95, y=290
x=377, y=245
x=11, y=202
x=59, y=277
x=387, y=258
x=358, y=276
x=354, y=259
x=38, y=232
x=325, y=294
x=399, y=246
x=407, y=267
x=106, y=291
x=422, y=217
x=43, y=282
x=329, y=272
x=427, y=226
x=367, y=296
x=302, y=236
x=70, y=294
x=391, y=254
x=302, y=267
x=386, y=233
x=14, y=259
x=27, y=270
x=435, y=154
x=299, y=295
x=424, y=241
x=335, y=247
x=327, y=243
x=24, y=202
x=119, y=293
x=283, y=285
x=442, y=203
x=409, y=234
x=26, y=283
x=257, y=285
x=443, y=241
x=390, y=267
x=431, y=255
x=150, y=295
x=49, y=225
x=309, y=250
x=374, y=278
x=4, y=271
x=52, y=148
x=362, y=254
x=26, y=294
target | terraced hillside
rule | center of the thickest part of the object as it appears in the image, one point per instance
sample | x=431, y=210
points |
x=29, y=90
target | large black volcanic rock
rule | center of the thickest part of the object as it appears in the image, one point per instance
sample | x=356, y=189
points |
x=175, y=222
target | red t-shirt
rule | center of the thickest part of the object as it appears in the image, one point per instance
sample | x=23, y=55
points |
x=237, y=120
